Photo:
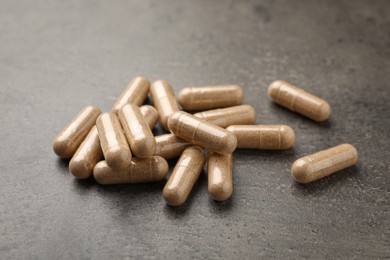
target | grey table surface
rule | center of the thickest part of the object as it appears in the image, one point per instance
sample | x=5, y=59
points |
x=58, y=56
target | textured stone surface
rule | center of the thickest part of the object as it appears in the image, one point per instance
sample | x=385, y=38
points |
x=58, y=56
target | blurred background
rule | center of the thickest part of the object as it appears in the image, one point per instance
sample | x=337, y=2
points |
x=58, y=56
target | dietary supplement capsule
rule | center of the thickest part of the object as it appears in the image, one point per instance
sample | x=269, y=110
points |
x=69, y=139
x=170, y=146
x=135, y=93
x=138, y=134
x=298, y=100
x=112, y=140
x=87, y=156
x=150, y=114
x=209, y=97
x=184, y=176
x=202, y=133
x=164, y=100
x=152, y=169
x=263, y=137
x=224, y=117
x=318, y=165
x=220, y=175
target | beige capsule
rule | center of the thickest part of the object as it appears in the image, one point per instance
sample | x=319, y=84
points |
x=164, y=100
x=184, y=176
x=138, y=134
x=87, y=156
x=70, y=138
x=263, y=137
x=298, y=100
x=135, y=93
x=321, y=164
x=224, y=117
x=209, y=97
x=152, y=169
x=170, y=146
x=112, y=140
x=200, y=132
x=150, y=114
x=220, y=175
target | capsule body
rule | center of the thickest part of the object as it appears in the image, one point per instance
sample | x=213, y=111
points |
x=298, y=100
x=224, y=117
x=220, y=175
x=112, y=140
x=321, y=164
x=202, y=133
x=263, y=137
x=164, y=100
x=87, y=156
x=135, y=93
x=184, y=176
x=150, y=169
x=150, y=115
x=70, y=138
x=170, y=146
x=138, y=134
x=209, y=97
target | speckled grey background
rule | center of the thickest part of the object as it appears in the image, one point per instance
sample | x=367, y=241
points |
x=58, y=56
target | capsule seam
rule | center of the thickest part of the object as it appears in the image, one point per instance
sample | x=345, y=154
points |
x=260, y=140
x=293, y=102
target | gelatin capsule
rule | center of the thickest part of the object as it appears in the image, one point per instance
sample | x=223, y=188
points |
x=263, y=137
x=135, y=93
x=164, y=100
x=184, y=176
x=224, y=117
x=209, y=97
x=69, y=139
x=220, y=175
x=321, y=164
x=87, y=156
x=138, y=134
x=170, y=146
x=150, y=114
x=298, y=100
x=112, y=140
x=152, y=169
x=202, y=133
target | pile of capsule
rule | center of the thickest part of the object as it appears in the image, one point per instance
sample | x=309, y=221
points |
x=119, y=147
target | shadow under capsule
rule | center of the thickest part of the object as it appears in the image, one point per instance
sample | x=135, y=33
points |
x=285, y=113
x=240, y=154
x=85, y=183
x=218, y=207
x=318, y=188
x=63, y=165
x=182, y=210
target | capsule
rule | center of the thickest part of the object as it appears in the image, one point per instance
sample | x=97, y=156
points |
x=170, y=146
x=298, y=100
x=138, y=134
x=202, y=133
x=220, y=175
x=224, y=117
x=135, y=93
x=152, y=169
x=112, y=140
x=70, y=138
x=209, y=97
x=150, y=114
x=321, y=164
x=184, y=176
x=263, y=137
x=164, y=100
x=87, y=156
